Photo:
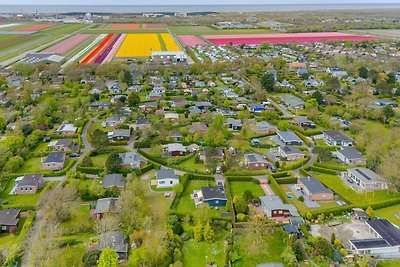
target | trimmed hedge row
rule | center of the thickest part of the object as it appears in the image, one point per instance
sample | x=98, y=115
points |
x=118, y=143
x=277, y=189
x=297, y=164
x=289, y=180
x=106, y=150
x=327, y=166
x=303, y=137
x=145, y=169
x=64, y=171
x=305, y=172
x=242, y=179
x=323, y=170
x=90, y=170
x=280, y=175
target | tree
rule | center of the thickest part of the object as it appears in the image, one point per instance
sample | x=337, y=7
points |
x=126, y=77
x=268, y=82
x=389, y=112
x=27, y=129
x=318, y=96
x=248, y=195
x=208, y=233
x=311, y=103
x=240, y=205
x=107, y=224
x=324, y=154
x=322, y=247
x=202, y=214
x=288, y=257
x=283, y=125
x=363, y=72
x=215, y=135
x=370, y=211
x=108, y=258
x=178, y=229
x=133, y=99
x=333, y=238
x=113, y=163
x=14, y=164
x=87, y=162
x=333, y=84
x=90, y=258
x=198, y=232
x=99, y=138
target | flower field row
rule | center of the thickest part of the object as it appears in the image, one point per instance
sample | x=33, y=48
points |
x=101, y=52
x=142, y=45
x=85, y=50
x=68, y=44
x=254, y=39
x=37, y=27
x=169, y=42
x=191, y=40
x=127, y=27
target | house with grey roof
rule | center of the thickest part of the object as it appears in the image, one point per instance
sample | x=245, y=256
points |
x=132, y=160
x=54, y=161
x=234, y=124
x=292, y=101
x=166, y=178
x=289, y=138
x=117, y=241
x=275, y=209
x=67, y=129
x=65, y=144
x=366, y=179
x=314, y=189
x=9, y=219
x=303, y=122
x=104, y=206
x=290, y=153
x=337, y=138
x=113, y=180
x=349, y=156
x=175, y=149
x=113, y=121
x=255, y=161
x=214, y=196
x=28, y=184
x=119, y=135
x=264, y=127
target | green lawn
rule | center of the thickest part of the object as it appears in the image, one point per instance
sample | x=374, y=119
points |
x=269, y=250
x=389, y=263
x=100, y=160
x=337, y=185
x=197, y=253
x=389, y=213
x=238, y=188
x=186, y=204
x=191, y=166
x=31, y=166
x=41, y=147
x=206, y=30
x=10, y=241
x=80, y=218
x=302, y=208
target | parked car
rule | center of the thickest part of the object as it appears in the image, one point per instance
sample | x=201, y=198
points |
x=74, y=155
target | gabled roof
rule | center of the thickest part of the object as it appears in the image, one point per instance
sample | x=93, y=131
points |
x=114, y=179
x=252, y=158
x=337, y=135
x=350, y=153
x=213, y=192
x=58, y=157
x=386, y=230
x=314, y=186
x=9, y=217
x=366, y=175
x=105, y=205
x=271, y=203
x=165, y=174
x=289, y=136
x=290, y=150
x=115, y=240
x=30, y=180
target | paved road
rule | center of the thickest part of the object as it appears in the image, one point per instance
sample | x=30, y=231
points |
x=283, y=110
x=87, y=146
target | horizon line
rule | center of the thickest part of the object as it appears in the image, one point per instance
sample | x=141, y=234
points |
x=322, y=4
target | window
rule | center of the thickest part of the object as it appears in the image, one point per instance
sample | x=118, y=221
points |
x=216, y=201
x=281, y=212
x=161, y=182
x=171, y=182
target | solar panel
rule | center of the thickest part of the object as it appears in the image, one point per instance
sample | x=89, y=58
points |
x=363, y=174
x=370, y=243
x=386, y=230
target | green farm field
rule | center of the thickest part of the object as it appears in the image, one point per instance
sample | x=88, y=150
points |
x=205, y=30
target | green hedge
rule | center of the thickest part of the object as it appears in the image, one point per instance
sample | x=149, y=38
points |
x=305, y=173
x=242, y=179
x=332, y=167
x=118, y=143
x=289, y=180
x=63, y=172
x=304, y=138
x=297, y=165
x=277, y=189
x=90, y=170
x=142, y=144
x=106, y=150
x=323, y=170
x=280, y=175
x=144, y=169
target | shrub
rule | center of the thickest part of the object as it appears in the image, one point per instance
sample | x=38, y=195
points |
x=301, y=198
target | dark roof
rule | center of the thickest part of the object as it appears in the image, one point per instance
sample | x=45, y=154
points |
x=289, y=136
x=288, y=228
x=314, y=185
x=105, y=205
x=350, y=153
x=55, y=157
x=386, y=230
x=291, y=150
x=65, y=142
x=166, y=174
x=115, y=240
x=370, y=243
x=30, y=179
x=337, y=135
x=114, y=179
x=9, y=217
x=212, y=192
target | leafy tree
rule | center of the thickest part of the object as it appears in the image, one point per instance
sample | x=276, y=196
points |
x=333, y=84
x=215, y=135
x=108, y=258
x=363, y=72
x=126, y=77
x=318, y=96
x=208, y=233
x=90, y=258
x=248, y=195
x=133, y=99
x=27, y=129
x=311, y=103
x=198, y=232
x=373, y=74
x=391, y=78
x=333, y=238
x=87, y=162
x=370, y=212
x=240, y=205
x=3, y=123
x=283, y=125
x=288, y=257
x=14, y=164
x=268, y=82
x=99, y=138
x=309, y=216
x=389, y=112
x=322, y=247
x=178, y=229
x=324, y=154
x=113, y=163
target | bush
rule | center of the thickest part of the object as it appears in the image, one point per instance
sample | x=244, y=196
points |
x=280, y=174
x=90, y=170
x=297, y=164
x=289, y=180
x=323, y=170
x=90, y=258
x=301, y=198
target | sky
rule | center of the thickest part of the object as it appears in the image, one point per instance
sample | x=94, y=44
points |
x=185, y=2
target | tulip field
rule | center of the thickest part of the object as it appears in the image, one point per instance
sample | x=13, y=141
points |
x=191, y=40
x=68, y=44
x=101, y=52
